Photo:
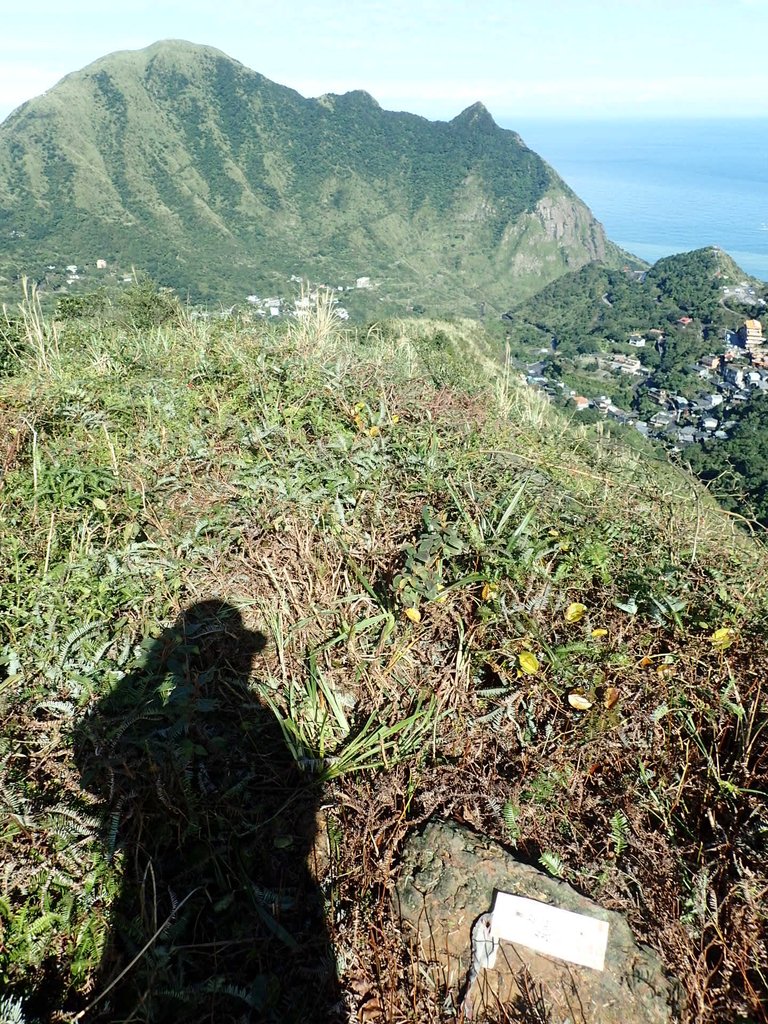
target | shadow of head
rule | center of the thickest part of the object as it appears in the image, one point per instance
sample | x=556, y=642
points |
x=211, y=635
x=187, y=685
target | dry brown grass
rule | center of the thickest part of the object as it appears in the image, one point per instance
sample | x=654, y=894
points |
x=684, y=820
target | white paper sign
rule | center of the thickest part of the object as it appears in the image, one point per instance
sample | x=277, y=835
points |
x=550, y=930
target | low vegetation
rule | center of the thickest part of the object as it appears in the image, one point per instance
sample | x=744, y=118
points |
x=275, y=598
x=736, y=469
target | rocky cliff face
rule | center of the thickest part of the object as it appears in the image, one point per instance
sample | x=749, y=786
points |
x=568, y=221
x=558, y=235
x=218, y=181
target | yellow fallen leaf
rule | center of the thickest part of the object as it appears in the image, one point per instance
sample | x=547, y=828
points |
x=599, y=632
x=395, y=419
x=611, y=697
x=489, y=591
x=575, y=611
x=529, y=663
x=721, y=639
x=665, y=671
x=374, y=431
x=413, y=614
x=579, y=701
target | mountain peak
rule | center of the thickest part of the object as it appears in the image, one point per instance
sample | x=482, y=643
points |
x=174, y=47
x=167, y=51
x=362, y=97
x=356, y=99
x=476, y=116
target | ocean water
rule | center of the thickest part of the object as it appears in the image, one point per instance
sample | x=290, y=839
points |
x=661, y=187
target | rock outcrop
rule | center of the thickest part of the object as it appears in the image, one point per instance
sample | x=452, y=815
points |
x=448, y=877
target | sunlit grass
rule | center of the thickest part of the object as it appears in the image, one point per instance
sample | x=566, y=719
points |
x=555, y=682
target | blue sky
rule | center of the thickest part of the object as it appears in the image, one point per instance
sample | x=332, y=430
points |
x=562, y=59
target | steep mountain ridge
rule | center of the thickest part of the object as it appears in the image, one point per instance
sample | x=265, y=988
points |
x=218, y=181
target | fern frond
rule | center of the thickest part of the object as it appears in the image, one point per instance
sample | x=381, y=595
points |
x=712, y=903
x=101, y=651
x=214, y=986
x=11, y=1010
x=552, y=863
x=75, y=822
x=67, y=708
x=619, y=832
x=143, y=714
x=493, y=718
x=511, y=813
x=493, y=691
x=272, y=898
x=75, y=637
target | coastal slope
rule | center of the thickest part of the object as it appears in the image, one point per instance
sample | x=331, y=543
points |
x=218, y=182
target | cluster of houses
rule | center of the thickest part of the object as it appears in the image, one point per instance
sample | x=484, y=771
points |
x=59, y=278
x=276, y=306
x=265, y=307
x=557, y=390
x=71, y=273
x=728, y=379
x=628, y=366
x=681, y=420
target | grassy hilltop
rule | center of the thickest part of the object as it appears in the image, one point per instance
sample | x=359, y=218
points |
x=450, y=601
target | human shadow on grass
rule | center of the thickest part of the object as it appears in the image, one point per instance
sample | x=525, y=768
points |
x=218, y=918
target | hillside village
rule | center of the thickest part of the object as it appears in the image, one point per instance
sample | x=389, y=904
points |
x=728, y=378
x=58, y=282
x=279, y=306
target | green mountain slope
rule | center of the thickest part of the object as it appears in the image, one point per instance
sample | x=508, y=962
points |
x=603, y=304
x=219, y=182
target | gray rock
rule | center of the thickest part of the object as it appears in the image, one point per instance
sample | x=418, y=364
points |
x=448, y=878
